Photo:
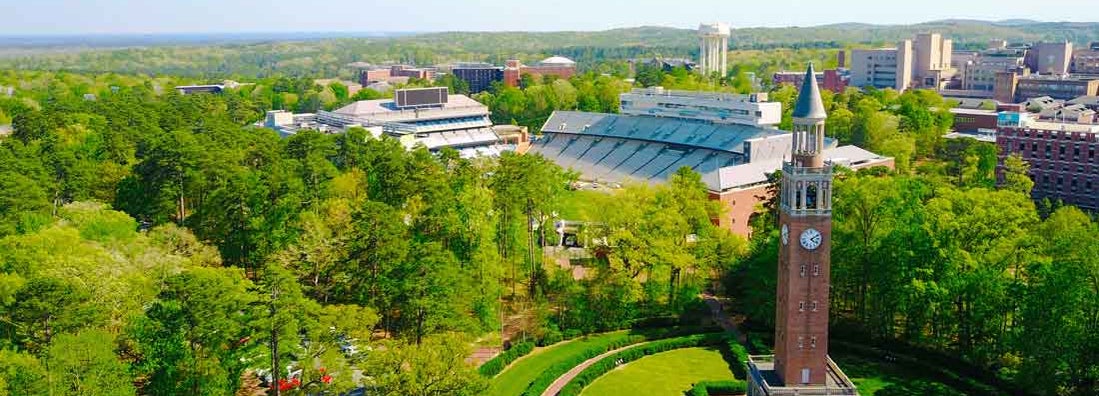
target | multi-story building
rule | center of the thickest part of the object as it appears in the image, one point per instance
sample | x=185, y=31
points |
x=800, y=364
x=932, y=55
x=1060, y=87
x=1063, y=157
x=979, y=73
x=370, y=74
x=880, y=68
x=719, y=108
x=479, y=76
x=1051, y=58
x=1086, y=60
x=558, y=66
x=923, y=63
x=834, y=80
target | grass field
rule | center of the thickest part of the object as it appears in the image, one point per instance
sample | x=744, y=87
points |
x=513, y=380
x=870, y=376
x=666, y=373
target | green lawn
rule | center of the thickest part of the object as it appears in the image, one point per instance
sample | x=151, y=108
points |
x=514, y=380
x=870, y=376
x=667, y=373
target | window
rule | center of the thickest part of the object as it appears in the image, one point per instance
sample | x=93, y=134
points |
x=801, y=342
x=814, y=306
x=805, y=376
x=813, y=342
x=816, y=269
x=801, y=306
x=803, y=270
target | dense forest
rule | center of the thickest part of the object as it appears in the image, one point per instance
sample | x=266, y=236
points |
x=158, y=244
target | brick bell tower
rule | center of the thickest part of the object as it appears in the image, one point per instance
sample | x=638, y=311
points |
x=805, y=221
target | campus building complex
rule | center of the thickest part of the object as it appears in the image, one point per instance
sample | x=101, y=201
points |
x=921, y=63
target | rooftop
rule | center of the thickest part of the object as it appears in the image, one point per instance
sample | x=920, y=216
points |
x=1062, y=126
x=1086, y=100
x=754, y=173
x=721, y=137
x=557, y=60
x=377, y=107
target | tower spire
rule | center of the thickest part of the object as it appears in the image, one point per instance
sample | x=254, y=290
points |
x=810, y=105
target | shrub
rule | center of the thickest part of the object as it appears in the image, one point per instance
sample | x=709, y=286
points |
x=739, y=355
x=497, y=364
x=730, y=387
x=551, y=337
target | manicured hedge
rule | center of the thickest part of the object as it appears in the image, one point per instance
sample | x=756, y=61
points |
x=544, y=380
x=497, y=364
x=708, y=388
x=608, y=363
x=739, y=355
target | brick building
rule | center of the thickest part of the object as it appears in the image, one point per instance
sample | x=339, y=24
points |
x=559, y=66
x=1063, y=158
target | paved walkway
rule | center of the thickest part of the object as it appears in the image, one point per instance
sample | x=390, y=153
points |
x=563, y=380
x=717, y=308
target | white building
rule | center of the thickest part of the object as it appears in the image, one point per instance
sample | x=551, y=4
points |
x=714, y=107
x=713, y=48
x=430, y=117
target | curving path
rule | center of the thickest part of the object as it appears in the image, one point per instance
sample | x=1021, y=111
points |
x=564, y=379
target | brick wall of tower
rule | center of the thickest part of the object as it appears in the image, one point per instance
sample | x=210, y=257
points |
x=795, y=314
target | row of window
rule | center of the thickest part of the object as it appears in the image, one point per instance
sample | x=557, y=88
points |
x=1062, y=150
x=1040, y=134
x=812, y=342
x=1073, y=184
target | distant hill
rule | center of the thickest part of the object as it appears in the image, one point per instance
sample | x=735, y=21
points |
x=325, y=55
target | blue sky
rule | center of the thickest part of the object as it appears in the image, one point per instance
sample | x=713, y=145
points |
x=32, y=17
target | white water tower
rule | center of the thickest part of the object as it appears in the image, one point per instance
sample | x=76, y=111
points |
x=713, y=47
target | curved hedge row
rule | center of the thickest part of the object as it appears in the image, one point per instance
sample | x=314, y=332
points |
x=576, y=385
x=739, y=354
x=546, y=378
x=731, y=387
x=497, y=364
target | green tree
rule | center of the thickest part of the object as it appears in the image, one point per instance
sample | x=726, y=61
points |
x=1017, y=175
x=435, y=367
x=193, y=337
x=85, y=363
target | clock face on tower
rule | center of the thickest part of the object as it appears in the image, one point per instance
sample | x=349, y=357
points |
x=810, y=239
x=785, y=234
